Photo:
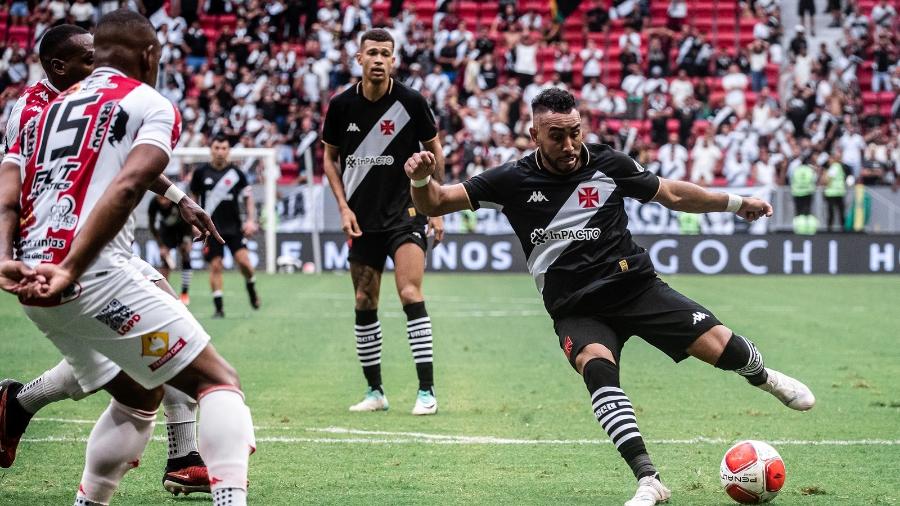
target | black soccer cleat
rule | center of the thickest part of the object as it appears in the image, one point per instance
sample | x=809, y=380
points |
x=13, y=421
x=186, y=475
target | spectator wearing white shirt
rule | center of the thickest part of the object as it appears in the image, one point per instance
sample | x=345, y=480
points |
x=764, y=172
x=592, y=94
x=437, y=83
x=630, y=38
x=526, y=66
x=883, y=14
x=681, y=88
x=759, y=58
x=591, y=55
x=852, y=146
x=633, y=85
x=677, y=12
x=673, y=159
x=83, y=14
x=735, y=85
x=533, y=89
x=705, y=159
x=562, y=62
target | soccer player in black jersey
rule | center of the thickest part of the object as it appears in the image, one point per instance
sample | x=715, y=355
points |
x=370, y=130
x=219, y=186
x=565, y=203
x=171, y=233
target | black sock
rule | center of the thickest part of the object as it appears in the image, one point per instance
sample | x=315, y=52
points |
x=191, y=459
x=17, y=417
x=742, y=357
x=418, y=333
x=368, y=346
x=217, y=300
x=615, y=413
x=251, y=290
x=186, y=274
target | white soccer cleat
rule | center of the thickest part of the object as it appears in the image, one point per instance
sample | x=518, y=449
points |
x=789, y=391
x=373, y=401
x=426, y=404
x=650, y=491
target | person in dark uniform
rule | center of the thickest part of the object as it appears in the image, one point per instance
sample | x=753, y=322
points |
x=565, y=202
x=171, y=232
x=219, y=186
x=370, y=130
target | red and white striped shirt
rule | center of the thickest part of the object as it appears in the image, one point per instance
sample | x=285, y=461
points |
x=30, y=104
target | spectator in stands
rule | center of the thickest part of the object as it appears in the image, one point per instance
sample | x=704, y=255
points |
x=852, y=145
x=706, y=157
x=673, y=159
x=563, y=60
x=834, y=7
x=764, y=171
x=846, y=65
x=657, y=58
x=681, y=88
x=883, y=15
x=856, y=22
x=676, y=14
x=658, y=112
x=884, y=57
x=525, y=51
x=633, y=85
x=735, y=85
x=591, y=55
x=806, y=11
x=759, y=59
x=799, y=42
x=597, y=17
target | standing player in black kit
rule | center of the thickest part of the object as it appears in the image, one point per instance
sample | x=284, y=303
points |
x=370, y=130
x=171, y=233
x=218, y=186
x=600, y=287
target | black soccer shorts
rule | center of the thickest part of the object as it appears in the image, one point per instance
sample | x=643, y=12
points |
x=373, y=248
x=213, y=249
x=172, y=237
x=658, y=314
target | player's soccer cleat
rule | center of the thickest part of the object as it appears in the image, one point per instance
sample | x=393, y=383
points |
x=218, y=314
x=185, y=479
x=11, y=430
x=789, y=391
x=373, y=401
x=650, y=491
x=185, y=299
x=426, y=404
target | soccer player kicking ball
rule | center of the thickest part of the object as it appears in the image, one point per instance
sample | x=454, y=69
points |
x=600, y=287
x=66, y=53
x=98, y=147
x=370, y=130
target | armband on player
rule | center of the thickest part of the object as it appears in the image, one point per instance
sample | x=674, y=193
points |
x=174, y=194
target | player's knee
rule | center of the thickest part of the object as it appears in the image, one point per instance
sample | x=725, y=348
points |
x=366, y=301
x=410, y=294
x=128, y=392
x=591, y=352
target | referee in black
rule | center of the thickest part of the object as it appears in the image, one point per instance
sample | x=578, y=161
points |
x=219, y=186
x=370, y=130
x=598, y=286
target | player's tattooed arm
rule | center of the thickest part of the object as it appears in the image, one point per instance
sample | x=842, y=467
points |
x=332, y=171
x=433, y=199
x=688, y=197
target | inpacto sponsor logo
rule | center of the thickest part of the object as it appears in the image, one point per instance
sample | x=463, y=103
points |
x=540, y=236
x=368, y=161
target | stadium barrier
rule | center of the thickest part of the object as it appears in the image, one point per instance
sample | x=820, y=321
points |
x=672, y=254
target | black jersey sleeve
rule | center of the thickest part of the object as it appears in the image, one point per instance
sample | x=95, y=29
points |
x=423, y=119
x=152, y=211
x=633, y=180
x=489, y=189
x=196, y=186
x=331, y=131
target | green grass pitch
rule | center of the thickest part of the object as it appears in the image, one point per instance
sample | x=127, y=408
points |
x=503, y=385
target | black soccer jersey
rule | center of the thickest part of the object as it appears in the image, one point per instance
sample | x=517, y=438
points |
x=164, y=215
x=219, y=193
x=572, y=227
x=374, y=140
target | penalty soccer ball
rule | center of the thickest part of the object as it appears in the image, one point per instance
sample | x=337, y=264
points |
x=752, y=472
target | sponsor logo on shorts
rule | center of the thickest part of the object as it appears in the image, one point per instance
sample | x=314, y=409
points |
x=699, y=317
x=567, y=347
x=154, y=344
x=540, y=236
x=118, y=317
x=174, y=350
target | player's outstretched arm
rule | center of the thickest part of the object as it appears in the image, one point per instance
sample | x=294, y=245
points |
x=688, y=197
x=429, y=196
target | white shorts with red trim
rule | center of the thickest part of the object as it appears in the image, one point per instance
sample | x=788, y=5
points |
x=118, y=320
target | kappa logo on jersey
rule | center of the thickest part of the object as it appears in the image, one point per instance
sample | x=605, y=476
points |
x=43, y=96
x=387, y=127
x=588, y=197
x=368, y=161
x=118, y=317
x=61, y=215
x=352, y=128
x=537, y=197
x=699, y=317
x=540, y=236
x=155, y=344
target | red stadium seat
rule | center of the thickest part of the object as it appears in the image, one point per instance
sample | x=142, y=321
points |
x=20, y=34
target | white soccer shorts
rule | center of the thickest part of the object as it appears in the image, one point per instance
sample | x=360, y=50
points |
x=118, y=320
x=146, y=269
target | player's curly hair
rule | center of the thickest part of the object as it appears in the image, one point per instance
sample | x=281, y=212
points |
x=553, y=100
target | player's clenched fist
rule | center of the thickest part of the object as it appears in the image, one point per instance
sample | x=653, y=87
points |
x=420, y=165
x=753, y=209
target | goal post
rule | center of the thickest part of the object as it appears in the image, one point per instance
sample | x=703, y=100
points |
x=271, y=172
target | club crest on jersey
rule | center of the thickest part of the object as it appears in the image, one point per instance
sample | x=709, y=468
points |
x=387, y=127
x=540, y=236
x=62, y=216
x=588, y=197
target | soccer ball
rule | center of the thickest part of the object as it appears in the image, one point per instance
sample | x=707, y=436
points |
x=752, y=472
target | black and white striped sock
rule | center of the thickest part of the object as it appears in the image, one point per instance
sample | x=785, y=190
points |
x=368, y=346
x=614, y=411
x=418, y=332
x=186, y=274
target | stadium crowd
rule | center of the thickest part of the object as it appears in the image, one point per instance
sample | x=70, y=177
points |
x=663, y=90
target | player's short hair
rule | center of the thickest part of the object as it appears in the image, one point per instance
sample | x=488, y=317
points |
x=220, y=138
x=124, y=27
x=552, y=100
x=376, y=35
x=55, y=42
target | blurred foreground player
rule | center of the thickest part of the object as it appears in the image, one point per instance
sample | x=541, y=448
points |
x=600, y=287
x=66, y=53
x=98, y=147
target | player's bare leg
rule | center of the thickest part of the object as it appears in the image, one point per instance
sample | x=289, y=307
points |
x=612, y=408
x=242, y=258
x=187, y=272
x=724, y=349
x=367, y=329
x=215, y=285
x=409, y=262
x=118, y=439
x=225, y=427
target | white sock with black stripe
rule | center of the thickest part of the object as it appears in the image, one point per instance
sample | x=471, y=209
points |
x=418, y=332
x=368, y=346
